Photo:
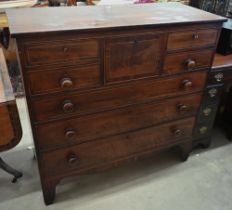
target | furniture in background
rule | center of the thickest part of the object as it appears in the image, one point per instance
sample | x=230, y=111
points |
x=222, y=73
x=219, y=7
x=10, y=129
x=220, y=78
x=210, y=102
x=112, y=88
x=225, y=41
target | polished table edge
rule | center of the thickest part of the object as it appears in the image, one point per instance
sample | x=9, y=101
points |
x=6, y=91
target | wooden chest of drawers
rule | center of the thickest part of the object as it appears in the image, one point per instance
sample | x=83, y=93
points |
x=109, y=84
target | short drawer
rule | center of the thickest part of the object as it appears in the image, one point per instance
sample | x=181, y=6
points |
x=187, y=61
x=56, y=52
x=102, y=152
x=79, y=130
x=192, y=39
x=116, y=96
x=76, y=77
x=133, y=56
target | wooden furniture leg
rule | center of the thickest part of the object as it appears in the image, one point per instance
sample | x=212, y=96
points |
x=49, y=190
x=185, y=149
x=10, y=170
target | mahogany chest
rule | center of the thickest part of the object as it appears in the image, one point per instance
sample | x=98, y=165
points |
x=108, y=84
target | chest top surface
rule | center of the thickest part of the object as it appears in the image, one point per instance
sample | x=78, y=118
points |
x=39, y=20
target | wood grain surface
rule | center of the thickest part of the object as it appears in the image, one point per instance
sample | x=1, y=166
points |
x=97, y=17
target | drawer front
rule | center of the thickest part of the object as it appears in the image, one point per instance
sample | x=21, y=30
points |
x=192, y=39
x=187, y=61
x=104, y=151
x=116, y=96
x=59, y=80
x=133, y=57
x=104, y=124
x=221, y=76
x=56, y=52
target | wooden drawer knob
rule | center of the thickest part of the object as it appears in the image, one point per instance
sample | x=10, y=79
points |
x=70, y=134
x=66, y=83
x=72, y=158
x=187, y=84
x=68, y=106
x=177, y=132
x=190, y=64
x=182, y=108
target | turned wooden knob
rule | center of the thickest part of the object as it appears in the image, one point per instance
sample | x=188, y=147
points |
x=66, y=83
x=177, y=132
x=186, y=84
x=182, y=108
x=68, y=106
x=70, y=134
x=195, y=36
x=72, y=158
x=190, y=63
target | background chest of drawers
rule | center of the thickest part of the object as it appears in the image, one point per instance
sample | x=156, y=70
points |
x=113, y=91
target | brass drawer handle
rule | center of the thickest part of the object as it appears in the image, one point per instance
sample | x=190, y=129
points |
x=182, y=108
x=68, y=106
x=203, y=129
x=195, y=36
x=187, y=84
x=207, y=112
x=212, y=92
x=70, y=134
x=190, y=63
x=72, y=158
x=66, y=83
x=219, y=77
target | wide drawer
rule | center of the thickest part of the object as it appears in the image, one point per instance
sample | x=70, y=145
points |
x=55, y=107
x=62, y=51
x=69, y=78
x=79, y=130
x=192, y=39
x=187, y=61
x=104, y=151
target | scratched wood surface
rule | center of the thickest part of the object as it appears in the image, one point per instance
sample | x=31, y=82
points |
x=75, y=18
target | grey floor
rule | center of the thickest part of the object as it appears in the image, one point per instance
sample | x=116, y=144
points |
x=204, y=182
